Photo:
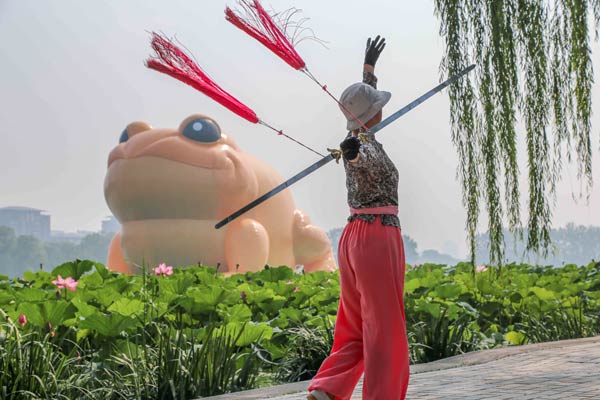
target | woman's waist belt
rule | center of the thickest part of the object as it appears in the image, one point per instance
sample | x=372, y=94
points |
x=375, y=210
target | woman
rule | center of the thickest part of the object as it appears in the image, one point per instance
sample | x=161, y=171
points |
x=370, y=330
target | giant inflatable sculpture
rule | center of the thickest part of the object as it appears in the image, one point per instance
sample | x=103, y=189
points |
x=168, y=188
x=190, y=195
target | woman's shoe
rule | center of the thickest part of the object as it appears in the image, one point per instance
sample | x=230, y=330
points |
x=319, y=395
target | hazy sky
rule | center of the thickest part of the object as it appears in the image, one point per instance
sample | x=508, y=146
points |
x=72, y=77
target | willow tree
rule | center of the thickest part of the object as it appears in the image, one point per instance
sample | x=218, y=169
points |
x=533, y=67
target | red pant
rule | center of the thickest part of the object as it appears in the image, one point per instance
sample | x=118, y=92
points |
x=370, y=330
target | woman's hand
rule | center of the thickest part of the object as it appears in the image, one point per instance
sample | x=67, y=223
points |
x=350, y=147
x=373, y=50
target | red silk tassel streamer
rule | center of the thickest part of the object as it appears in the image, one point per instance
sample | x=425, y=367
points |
x=174, y=62
x=260, y=25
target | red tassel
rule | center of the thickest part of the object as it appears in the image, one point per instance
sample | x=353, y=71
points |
x=174, y=62
x=260, y=25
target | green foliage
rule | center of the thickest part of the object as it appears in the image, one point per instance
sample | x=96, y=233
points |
x=198, y=333
x=533, y=62
x=451, y=310
x=74, y=269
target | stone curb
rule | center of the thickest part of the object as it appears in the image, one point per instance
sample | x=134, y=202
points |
x=461, y=360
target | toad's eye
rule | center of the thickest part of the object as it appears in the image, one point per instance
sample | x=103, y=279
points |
x=202, y=130
x=124, y=136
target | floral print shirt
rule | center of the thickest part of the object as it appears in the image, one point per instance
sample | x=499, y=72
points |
x=372, y=181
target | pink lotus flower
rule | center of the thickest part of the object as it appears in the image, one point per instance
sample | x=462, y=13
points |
x=481, y=268
x=289, y=283
x=22, y=320
x=68, y=283
x=296, y=289
x=327, y=280
x=163, y=269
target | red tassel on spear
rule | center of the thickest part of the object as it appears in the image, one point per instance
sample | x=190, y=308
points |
x=173, y=61
x=260, y=25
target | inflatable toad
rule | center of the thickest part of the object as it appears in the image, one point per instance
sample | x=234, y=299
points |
x=169, y=187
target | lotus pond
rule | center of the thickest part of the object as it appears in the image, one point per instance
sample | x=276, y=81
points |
x=82, y=331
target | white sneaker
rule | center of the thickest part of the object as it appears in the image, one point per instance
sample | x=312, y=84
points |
x=318, y=395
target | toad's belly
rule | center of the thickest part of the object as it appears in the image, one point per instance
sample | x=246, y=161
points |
x=180, y=242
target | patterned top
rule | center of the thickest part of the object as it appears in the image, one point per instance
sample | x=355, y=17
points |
x=372, y=181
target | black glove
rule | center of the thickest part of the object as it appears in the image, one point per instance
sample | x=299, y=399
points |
x=350, y=147
x=373, y=50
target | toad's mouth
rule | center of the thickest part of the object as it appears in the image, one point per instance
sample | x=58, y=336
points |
x=175, y=148
x=150, y=187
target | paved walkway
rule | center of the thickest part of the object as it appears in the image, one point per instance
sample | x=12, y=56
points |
x=566, y=369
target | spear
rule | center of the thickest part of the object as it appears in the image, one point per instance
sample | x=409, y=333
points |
x=336, y=155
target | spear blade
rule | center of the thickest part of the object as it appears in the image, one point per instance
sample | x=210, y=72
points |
x=330, y=157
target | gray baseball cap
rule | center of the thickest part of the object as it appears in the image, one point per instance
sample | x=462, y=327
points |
x=364, y=101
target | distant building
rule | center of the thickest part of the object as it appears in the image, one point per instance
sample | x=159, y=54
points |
x=110, y=225
x=26, y=221
x=74, y=237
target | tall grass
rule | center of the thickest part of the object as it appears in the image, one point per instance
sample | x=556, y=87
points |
x=442, y=337
x=181, y=364
x=34, y=365
x=564, y=322
x=307, y=349
x=172, y=364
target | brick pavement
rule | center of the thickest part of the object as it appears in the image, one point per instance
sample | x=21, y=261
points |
x=563, y=373
x=568, y=369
